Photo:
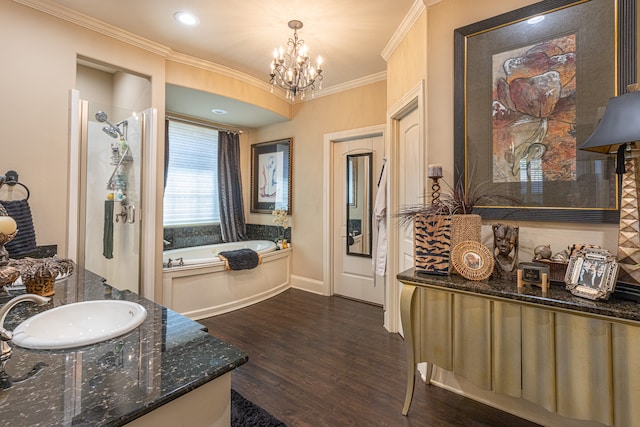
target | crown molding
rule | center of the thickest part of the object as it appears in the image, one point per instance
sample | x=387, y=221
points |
x=217, y=68
x=362, y=81
x=279, y=92
x=412, y=16
x=93, y=24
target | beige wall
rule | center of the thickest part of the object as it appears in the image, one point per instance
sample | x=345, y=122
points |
x=39, y=69
x=408, y=63
x=352, y=109
x=210, y=81
x=403, y=74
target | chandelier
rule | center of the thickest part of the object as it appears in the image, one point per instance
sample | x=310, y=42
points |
x=292, y=69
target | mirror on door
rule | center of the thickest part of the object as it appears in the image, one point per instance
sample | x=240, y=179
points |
x=358, y=185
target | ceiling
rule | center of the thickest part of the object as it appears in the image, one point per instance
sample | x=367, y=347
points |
x=350, y=35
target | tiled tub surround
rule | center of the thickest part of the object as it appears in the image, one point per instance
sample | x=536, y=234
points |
x=197, y=235
x=557, y=359
x=184, y=237
x=267, y=232
x=148, y=373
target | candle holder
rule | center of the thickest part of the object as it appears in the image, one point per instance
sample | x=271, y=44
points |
x=435, y=189
x=435, y=173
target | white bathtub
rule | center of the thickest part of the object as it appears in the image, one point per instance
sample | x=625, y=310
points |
x=203, y=288
x=209, y=253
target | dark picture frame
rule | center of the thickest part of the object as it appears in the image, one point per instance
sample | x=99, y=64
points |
x=592, y=274
x=271, y=176
x=527, y=149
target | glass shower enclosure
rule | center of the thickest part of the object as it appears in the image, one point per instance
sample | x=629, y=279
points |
x=110, y=192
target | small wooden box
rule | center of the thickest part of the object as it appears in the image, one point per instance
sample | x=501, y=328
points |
x=557, y=269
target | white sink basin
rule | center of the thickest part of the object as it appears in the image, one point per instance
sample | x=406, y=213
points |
x=79, y=324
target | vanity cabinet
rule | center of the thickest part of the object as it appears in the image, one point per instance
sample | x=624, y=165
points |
x=166, y=372
x=573, y=357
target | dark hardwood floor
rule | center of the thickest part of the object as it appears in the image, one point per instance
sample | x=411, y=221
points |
x=328, y=361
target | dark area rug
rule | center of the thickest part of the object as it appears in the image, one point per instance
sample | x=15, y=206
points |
x=245, y=413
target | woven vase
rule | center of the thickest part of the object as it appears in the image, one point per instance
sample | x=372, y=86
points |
x=464, y=227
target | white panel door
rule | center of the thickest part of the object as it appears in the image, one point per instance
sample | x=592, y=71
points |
x=410, y=182
x=411, y=178
x=353, y=275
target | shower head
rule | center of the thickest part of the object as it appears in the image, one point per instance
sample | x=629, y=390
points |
x=112, y=130
x=102, y=117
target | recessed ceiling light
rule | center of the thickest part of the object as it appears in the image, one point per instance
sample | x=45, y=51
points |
x=219, y=111
x=186, y=18
x=535, y=19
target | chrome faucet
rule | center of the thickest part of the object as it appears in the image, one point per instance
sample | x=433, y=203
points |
x=5, y=335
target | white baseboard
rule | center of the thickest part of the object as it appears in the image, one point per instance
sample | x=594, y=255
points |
x=309, y=285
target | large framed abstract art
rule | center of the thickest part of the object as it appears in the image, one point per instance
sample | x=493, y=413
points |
x=530, y=87
x=271, y=176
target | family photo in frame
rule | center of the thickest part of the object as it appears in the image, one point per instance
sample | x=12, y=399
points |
x=592, y=273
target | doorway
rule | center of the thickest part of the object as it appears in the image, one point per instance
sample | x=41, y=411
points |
x=407, y=182
x=356, y=165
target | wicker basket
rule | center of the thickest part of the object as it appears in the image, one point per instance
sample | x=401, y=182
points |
x=464, y=228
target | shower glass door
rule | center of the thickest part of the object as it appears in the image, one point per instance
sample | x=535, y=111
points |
x=112, y=150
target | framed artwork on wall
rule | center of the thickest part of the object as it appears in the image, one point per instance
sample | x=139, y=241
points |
x=271, y=176
x=530, y=86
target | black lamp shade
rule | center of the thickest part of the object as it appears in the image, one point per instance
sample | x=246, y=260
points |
x=620, y=124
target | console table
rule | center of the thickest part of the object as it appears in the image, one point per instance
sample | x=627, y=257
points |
x=569, y=355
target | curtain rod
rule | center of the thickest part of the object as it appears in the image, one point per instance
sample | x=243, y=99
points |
x=201, y=122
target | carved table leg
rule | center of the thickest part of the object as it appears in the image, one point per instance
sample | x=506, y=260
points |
x=406, y=301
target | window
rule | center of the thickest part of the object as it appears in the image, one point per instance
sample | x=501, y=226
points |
x=191, y=194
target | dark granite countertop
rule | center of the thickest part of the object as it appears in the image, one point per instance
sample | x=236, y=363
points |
x=116, y=381
x=558, y=296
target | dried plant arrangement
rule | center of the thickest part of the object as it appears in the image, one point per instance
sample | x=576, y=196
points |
x=459, y=200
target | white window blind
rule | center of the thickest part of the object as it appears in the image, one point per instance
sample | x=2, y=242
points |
x=191, y=194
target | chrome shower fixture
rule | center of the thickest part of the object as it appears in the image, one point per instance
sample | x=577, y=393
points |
x=112, y=130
